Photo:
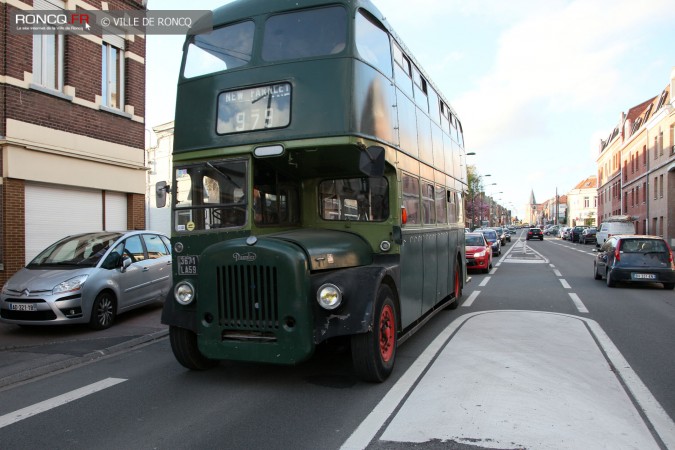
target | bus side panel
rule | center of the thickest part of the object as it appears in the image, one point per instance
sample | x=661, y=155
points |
x=443, y=267
x=412, y=277
x=432, y=254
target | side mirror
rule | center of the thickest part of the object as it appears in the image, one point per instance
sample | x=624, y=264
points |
x=126, y=262
x=161, y=189
x=371, y=161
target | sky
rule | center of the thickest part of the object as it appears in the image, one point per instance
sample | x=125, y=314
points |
x=536, y=84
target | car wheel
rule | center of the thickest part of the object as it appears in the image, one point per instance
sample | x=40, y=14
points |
x=102, y=311
x=596, y=275
x=610, y=282
x=669, y=286
x=374, y=352
x=186, y=349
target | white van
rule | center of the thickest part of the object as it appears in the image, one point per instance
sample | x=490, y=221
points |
x=614, y=225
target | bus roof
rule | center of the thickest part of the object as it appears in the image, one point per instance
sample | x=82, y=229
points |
x=241, y=9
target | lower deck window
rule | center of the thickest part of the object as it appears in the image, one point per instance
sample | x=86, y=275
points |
x=358, y=199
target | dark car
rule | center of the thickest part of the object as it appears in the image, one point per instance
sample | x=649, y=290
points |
x=534, y=233
x=502, y=235
x=588, y=236
x=575, y=233
x=493, y=240
x=635, y=259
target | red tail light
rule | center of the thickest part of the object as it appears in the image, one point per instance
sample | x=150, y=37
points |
x=404, y=215
x=617, y=252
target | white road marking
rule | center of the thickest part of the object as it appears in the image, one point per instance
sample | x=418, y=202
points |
x=484, y=282
x=565, y=284
x=46, y=405
x=578, y=303
x=557, y=273
x=512, y=378
x=471, y=298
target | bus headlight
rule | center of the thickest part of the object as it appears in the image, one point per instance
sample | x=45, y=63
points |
x=329, y=296
x=184, y=293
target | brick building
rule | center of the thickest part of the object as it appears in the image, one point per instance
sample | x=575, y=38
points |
x=72, y=132
x=636, y=166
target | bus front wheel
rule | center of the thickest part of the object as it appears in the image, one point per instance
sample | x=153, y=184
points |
x=374, y=352
x=186, y=350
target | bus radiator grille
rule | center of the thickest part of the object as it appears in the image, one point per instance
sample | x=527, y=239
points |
x=248, y=297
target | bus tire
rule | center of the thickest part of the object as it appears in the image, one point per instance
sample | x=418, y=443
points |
x=374, y=352
x=186, y=350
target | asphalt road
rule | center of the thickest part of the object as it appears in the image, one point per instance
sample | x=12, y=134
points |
x=539, y=356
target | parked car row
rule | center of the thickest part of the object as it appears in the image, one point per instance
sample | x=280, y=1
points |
x=483, y=244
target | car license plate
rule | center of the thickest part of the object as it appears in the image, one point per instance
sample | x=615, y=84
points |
x=187, y=265
x=23, y=307
x=643, y=276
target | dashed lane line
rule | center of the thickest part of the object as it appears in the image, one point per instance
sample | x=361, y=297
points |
x=60, y=400
x=578, y=303
x=471, y=298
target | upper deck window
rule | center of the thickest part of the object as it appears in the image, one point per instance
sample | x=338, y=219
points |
x=373, y=44
x=305, y=34
x=223, y=49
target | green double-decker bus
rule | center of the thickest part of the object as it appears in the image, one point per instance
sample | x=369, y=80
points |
x=317, y=188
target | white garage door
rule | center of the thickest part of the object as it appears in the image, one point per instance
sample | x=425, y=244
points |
x=115, y=211
x=54, y=212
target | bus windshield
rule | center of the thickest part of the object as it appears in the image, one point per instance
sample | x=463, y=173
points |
x=223, y=49
x=210, y=195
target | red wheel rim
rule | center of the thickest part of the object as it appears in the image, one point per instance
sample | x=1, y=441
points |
x=456, y=283
x=387, y=333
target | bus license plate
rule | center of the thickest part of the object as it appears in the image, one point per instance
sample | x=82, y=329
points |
x=643, y=276
x=187, y=265
x=23, y=307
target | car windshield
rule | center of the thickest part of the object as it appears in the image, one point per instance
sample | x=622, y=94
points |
x=81, y=250
x=643, y=246
x=475, y=240
x=490, y=235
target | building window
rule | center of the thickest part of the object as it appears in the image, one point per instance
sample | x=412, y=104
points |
x=587, y=202
x=48, y=53
x=112, y=76
x=656, y=186
x=48, y=61
x=661, y=186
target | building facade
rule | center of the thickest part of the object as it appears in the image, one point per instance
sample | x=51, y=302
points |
x=636, y=167
x=72, y=132
x=159, y=161
x=582, y=206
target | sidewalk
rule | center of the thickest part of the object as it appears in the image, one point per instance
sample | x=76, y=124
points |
x=29, y=352
x=518, y=379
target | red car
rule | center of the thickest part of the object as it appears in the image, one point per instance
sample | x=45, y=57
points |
x=478, y=252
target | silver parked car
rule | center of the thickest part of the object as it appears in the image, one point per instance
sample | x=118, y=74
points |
x=89, y=278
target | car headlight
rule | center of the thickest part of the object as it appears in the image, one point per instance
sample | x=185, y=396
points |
x=479, y=255
x=74, y=284
x=184, y=293
x=329, y=296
